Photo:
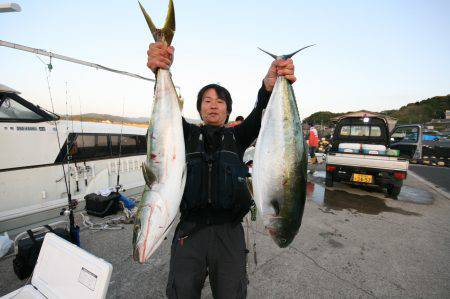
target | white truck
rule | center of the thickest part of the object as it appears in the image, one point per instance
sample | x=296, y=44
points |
x=360, y=155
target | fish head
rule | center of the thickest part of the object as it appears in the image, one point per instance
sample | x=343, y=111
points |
x=149, y=228
x=279, y=229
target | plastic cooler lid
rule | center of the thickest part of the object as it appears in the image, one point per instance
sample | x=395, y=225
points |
x=64, y=270
x=377, y=147
x=350, y=145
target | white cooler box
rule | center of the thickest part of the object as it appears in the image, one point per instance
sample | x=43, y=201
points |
x=354, y=148
x=373, y=149
x=64, y=270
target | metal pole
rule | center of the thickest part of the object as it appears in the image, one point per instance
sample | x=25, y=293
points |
x=70, y=59
x=10, y=7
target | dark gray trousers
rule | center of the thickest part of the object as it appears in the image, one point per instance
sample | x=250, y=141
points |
x=215, y=250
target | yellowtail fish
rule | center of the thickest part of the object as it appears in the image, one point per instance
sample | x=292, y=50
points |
x=279, y=164
x=165, y=167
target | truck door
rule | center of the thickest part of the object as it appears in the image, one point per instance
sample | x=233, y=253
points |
x=408, y=140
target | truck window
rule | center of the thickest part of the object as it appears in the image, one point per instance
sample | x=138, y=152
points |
x=405, y=134
x=375, y=131
x=361, y=130
x=345, y=131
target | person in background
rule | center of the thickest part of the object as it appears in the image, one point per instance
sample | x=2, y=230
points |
x=313, y=142
x=238, y=121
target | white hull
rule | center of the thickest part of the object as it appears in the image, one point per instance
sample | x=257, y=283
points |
x=35, y=149
x=25, y=193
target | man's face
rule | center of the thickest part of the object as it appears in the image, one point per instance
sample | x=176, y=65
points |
x=213, y=110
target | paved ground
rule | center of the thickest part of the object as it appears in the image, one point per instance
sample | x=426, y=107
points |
x=439, y=176
x=353, y=243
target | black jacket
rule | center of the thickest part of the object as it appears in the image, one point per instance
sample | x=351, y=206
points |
x=216, y=190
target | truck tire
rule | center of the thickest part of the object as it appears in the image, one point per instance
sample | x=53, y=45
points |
x=393, y=190
x=329, y=179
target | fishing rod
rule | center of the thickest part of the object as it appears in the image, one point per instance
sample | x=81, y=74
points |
x=120, y=146
x=70, y=59
x=47, y=75
x=73, y=230
x=75, y=162
x=73, y=60
x=82, y=142
x=72, y=203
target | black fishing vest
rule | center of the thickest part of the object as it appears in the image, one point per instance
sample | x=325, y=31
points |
x=215, y=181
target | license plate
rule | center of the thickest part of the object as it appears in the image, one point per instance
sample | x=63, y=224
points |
x=362, y=178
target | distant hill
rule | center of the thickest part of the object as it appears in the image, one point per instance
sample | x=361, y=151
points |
x=321, y=117
x=422, y=111
x=95, y=117
x=418, y=112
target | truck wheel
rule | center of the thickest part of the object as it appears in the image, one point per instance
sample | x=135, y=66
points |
x=329, y=179
x=394, y=191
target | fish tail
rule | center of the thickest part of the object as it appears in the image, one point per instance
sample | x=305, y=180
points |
x=166, y=33
x=149, y=176
x=273, y=55
x=287, y=56
x=292, y=54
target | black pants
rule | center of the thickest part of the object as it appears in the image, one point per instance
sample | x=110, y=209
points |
x=312, y=151
x=215, y=250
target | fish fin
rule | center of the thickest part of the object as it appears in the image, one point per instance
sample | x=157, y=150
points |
x=149, y=176
x=292, y=54
x=169, y=227
x=166, y=33
x=169, y=24
x=284, y=57
x=180, y=103
x=276, y=207
x=183, y=178
x=150, y=24
x=273, y=55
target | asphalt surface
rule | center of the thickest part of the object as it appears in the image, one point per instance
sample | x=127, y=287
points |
x=439, y=176
x=353, y=243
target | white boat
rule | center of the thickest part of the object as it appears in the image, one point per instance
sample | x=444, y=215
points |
x=32, y=161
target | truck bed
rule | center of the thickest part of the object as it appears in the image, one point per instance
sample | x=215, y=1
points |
x=367, y=161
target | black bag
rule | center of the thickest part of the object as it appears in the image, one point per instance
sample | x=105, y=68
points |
x=29, y=248
x=102, y=206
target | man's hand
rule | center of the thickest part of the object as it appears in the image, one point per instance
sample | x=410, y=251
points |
x=279, y=68
x=159, y=56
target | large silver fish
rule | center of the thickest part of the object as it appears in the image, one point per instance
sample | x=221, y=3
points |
x=279, y=164
x=165, y=168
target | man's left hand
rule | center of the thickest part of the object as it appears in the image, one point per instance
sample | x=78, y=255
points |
x=279, y=68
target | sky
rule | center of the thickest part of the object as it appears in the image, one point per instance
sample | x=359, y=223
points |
x=373, y=55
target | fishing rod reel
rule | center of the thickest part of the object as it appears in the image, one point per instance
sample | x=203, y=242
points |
x=119, y=187
x=72, y=206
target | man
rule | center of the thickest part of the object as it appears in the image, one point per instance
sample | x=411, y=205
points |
x=236, y=122
x=209, y=239
x=313, y=142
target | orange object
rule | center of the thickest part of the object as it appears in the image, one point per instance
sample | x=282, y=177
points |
x=313, y=139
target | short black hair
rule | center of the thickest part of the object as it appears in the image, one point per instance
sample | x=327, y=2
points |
x=239, y=118
x=222, y=93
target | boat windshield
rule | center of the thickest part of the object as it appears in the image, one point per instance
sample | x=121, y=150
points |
x=13, y=110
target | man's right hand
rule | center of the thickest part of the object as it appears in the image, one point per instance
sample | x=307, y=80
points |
x=159, y=56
